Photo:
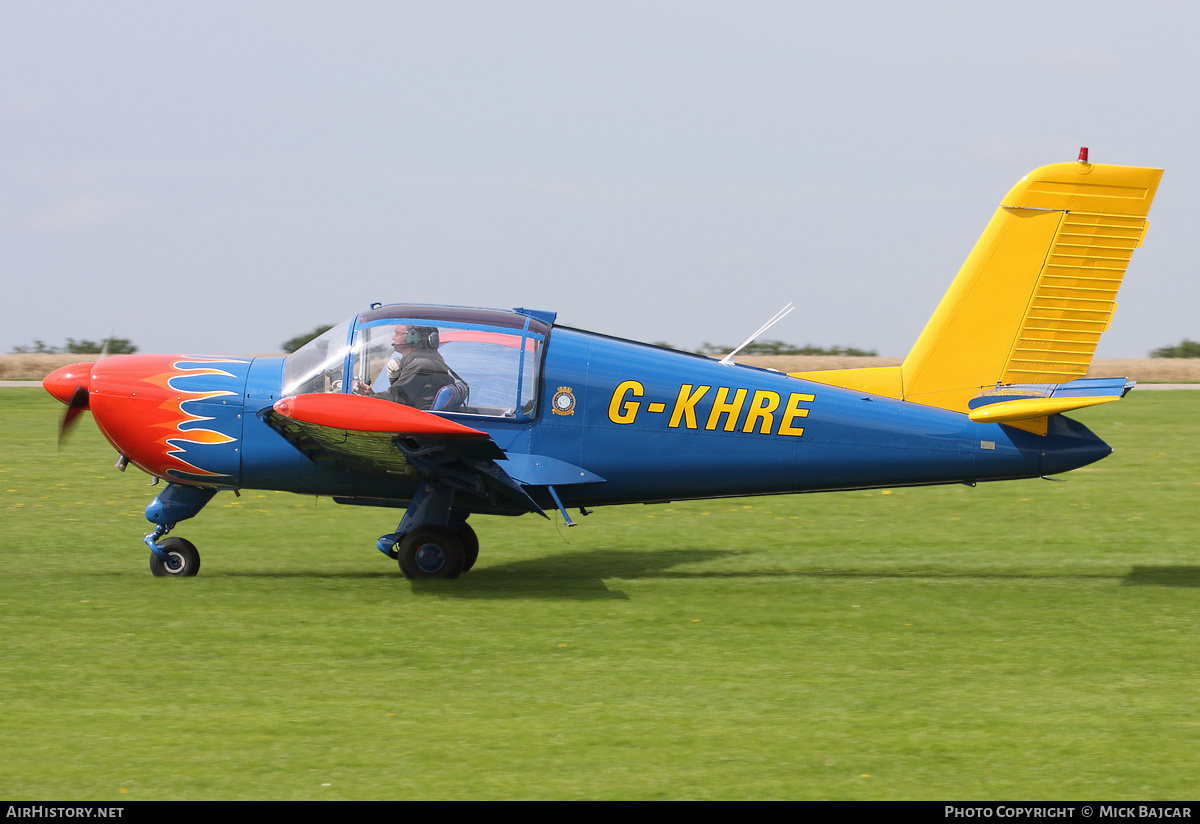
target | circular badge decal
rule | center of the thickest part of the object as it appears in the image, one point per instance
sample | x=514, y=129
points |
x=564, y=401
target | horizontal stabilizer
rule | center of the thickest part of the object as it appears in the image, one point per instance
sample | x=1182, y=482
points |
x=1017, y=402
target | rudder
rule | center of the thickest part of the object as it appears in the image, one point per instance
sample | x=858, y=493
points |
x=1030, y=302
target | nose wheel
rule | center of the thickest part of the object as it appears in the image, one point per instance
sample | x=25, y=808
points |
x=180, y=559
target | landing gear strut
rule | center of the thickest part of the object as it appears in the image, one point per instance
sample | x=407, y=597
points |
x=174, y=557
x=432, y=541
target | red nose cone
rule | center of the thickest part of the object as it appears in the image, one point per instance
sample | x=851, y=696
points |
x=61, y=383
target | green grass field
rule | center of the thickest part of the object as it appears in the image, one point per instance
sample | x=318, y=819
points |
x=1023, y=640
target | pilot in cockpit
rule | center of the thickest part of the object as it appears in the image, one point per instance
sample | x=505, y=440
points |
x=421, y=371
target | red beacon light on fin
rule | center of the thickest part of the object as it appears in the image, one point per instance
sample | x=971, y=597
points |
x=1083, y=154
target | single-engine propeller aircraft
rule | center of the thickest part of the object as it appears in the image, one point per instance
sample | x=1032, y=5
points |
x=449, y=412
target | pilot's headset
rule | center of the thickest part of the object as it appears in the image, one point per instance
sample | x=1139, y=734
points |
x=419, y=336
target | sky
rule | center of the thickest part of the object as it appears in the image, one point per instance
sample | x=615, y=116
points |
x=217, y=177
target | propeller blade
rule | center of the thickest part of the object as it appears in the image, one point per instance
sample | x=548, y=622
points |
x=76, y=406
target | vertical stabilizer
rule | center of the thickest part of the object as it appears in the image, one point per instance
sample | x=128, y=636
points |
x=1032, y=298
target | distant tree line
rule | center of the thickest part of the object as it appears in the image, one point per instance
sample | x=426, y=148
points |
x=778, y=347
x=116, y=346
x=292, y=344
x=1186, y=349
x=759, y=347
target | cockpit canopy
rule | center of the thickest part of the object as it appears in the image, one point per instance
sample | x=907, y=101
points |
x=492, y=356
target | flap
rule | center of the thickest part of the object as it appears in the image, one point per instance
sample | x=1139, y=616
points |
x=540, y=470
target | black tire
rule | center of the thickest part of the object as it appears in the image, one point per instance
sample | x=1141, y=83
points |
x=184, y=559
x=470, y=545
x=430, y=552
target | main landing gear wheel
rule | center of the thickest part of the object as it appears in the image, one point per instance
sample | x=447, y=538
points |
x=431, y=552
x=470, y=544
x=183, y=559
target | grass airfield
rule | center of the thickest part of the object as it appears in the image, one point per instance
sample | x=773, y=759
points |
x=1021, y=640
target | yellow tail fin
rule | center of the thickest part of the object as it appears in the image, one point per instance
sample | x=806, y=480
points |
x=1032, y=298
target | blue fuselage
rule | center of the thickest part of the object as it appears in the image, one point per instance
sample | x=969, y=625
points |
x=662, y=425
x=659, y=425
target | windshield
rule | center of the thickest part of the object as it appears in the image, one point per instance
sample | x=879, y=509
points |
x=317, y=366
x=473, y=362
x=490, y=371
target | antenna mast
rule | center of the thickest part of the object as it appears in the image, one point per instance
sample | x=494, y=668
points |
x=780, y=315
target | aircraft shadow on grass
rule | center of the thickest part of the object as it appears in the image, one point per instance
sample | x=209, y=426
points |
x=564, y=576
x=1163, y=576
x=581, y=575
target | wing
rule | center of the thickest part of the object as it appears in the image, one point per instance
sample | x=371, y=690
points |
x=371, y=436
